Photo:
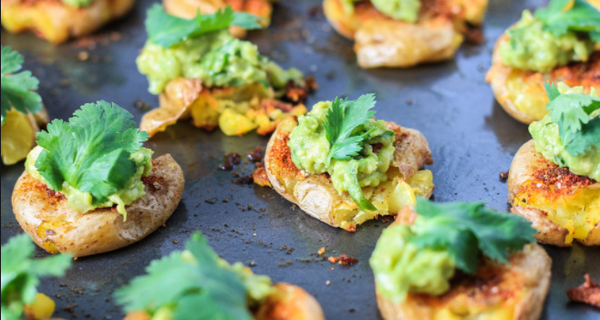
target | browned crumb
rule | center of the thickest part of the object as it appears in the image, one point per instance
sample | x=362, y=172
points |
x=588, y=293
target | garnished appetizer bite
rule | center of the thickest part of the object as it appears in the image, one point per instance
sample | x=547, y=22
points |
x=187, y=9
x=554, y=178
x=344, y=168
x=405, y=33
x=89, y=187
x=460, y=261
x=59, y=20
x=20, y=276
x=22, y=109
x=557, y=43
x=203, y=286
x=203, y=73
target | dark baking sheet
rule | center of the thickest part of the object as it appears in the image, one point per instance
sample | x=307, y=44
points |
x=472, y=140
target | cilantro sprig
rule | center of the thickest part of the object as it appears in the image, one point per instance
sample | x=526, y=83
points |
x=167, y=30
x=572, y=112
x=21, y=274
x=466, y=229
x=92, y=151
x=192, y=288
x=17, y=89
x=562, y=16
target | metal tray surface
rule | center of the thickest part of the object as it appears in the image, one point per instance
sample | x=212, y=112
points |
x=472, y=139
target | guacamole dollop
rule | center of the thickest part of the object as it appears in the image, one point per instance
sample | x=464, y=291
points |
x=310, y=149
x=82, y=201
x=400, y=267
x=533, y=48
x=217, y=58
x=548, y=143
x=405, y=10
x=78, y=3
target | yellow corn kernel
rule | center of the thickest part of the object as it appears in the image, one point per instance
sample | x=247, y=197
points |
x=41, y=308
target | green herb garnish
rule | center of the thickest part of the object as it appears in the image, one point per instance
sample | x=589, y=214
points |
x=20, y=274
x=465, y=229
x=167, y=30
x=572, y=113
x=92, y=152
x=192, y=285
x=17, y=89
x=562, y=16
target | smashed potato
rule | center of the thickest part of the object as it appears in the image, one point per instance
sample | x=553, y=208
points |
x=188, y=9
x=235, y=110
x=563, y=207
x=56, y=21
x=316, y=196
x=382, y=41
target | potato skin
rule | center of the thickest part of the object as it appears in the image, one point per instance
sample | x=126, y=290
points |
x=57, y=22
x=55, y=227
x=524, y=167
x=315, y=194
x=188, y=9
x=526, y=280
x=289, y=302
x=385, y=42
x=499, y=76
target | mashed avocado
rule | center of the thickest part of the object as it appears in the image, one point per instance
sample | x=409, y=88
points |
x=218, y=58
x=78, y=3
x=405, y=10
x=535, y=49
x=400, y=267
x=310, y=149
x=548, y=143
x=82, y=201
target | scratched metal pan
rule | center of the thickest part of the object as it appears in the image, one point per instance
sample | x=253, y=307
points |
x=472, y=140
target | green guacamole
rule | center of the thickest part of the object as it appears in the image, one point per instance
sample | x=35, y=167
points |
x=400, y=267
x=310, y=149
x=78, y=3
x=405, y=10
x=218, y=59
x=82, y=201
x=535, y=49
x=548, y=143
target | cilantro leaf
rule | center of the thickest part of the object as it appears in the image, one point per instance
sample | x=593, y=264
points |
x=20, y=274
x=194, y=288
x=572, y=114
x=562, y=16
x=92, y=151
x=17, y=90
x=464, y=229
x=342, y=119
x=167, y=30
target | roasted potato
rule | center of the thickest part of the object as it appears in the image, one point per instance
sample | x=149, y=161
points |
x=562, y=206
x=57, y=22
x=522, y=94
x=316, y=196
x=188, y=9
x=385, y=42
x=508, y=292
x=55, y=227
x=287, y=303
x=236, y=110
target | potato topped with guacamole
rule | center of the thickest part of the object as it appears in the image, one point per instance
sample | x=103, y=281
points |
x=204, y=286
x=459, y=261
x=59, y=20
x=405, y=33
x=202, y=72
x=554, y=178
x=557, y=43
x=344, y=168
